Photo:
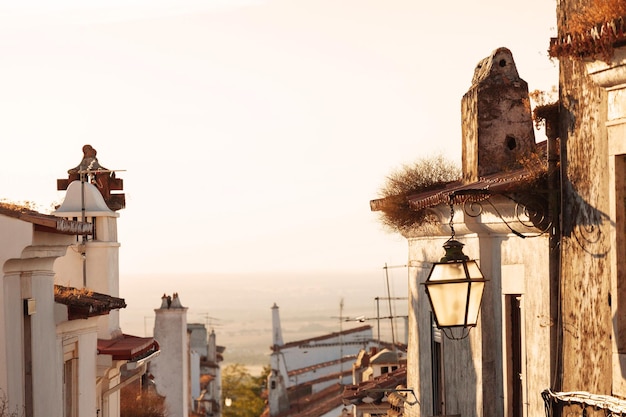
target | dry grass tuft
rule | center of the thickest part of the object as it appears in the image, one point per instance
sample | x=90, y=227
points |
x=546, y=110
x=592, y=32
x=424, y=175
x=70, y=292
x=600, y=11
x=21, y=206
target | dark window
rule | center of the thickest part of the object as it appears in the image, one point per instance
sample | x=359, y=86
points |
x=620, y=248
x=514, y=359
x=437, y=367
x=511, y=143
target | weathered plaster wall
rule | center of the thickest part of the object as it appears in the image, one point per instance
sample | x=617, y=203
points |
x=475, y=375
x=525, y=270
x=496, y=120
x=585, y=267
x=612, y=77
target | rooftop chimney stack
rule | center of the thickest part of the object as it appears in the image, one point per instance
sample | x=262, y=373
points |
x=497, y=125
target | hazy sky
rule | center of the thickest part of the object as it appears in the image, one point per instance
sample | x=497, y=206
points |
x=252, y=133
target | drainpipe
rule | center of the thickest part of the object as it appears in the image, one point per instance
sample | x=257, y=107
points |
x=555, y=196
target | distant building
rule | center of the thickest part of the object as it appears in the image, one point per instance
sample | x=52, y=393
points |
x=171, y=369
x=384, y=362
x=207, y=398
x=187, y=373
x=384, y=395
x=307, y=376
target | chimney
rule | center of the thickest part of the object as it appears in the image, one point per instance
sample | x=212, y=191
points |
x=497, y=126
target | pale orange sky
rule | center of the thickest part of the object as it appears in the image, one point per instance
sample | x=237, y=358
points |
x=253, y=133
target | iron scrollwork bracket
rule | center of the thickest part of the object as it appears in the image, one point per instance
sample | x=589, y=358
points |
x=531, y=209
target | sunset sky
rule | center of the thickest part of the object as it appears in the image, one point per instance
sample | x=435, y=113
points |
x=251, y=134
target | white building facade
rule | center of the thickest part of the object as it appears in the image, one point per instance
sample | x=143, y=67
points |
x=501, y=211
x=60, y=293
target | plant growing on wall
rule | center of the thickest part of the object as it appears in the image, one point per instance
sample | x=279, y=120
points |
x=592, y=32
x=546, y=111
x=423, y=175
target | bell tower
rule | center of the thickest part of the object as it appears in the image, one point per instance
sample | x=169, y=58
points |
x=93, y=261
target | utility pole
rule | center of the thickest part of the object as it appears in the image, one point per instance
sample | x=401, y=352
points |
x=341, y=320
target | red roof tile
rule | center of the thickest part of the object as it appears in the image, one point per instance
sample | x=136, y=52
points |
x=127, y=347
x=374, y=389
x=476, y=191
x=83, y=303
x=46, y=222
x=502, y=182
x=325, y=337
x=346, y=358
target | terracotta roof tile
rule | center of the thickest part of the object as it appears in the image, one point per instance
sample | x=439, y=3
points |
x=46, y=222
x=84, y=303
x=325, y=337
x=510, y=181
x=373, y=389
x=128, y=347
x=473, y=192
x=314, y=405
x=346, y=358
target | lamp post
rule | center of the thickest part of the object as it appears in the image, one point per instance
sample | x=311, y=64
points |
x=455, y=288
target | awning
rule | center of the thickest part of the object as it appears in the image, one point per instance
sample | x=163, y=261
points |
x=127, y=347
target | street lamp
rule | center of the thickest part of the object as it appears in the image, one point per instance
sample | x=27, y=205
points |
x=455, y=288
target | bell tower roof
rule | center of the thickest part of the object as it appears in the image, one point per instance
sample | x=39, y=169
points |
x=90, y=171
x=84, y=196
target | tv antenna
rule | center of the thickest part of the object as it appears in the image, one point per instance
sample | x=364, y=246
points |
x=389, y=299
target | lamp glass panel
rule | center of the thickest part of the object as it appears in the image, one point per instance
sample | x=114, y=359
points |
x=473, y=270
x=476, y=295
x=448, y=302
x=447, y=271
